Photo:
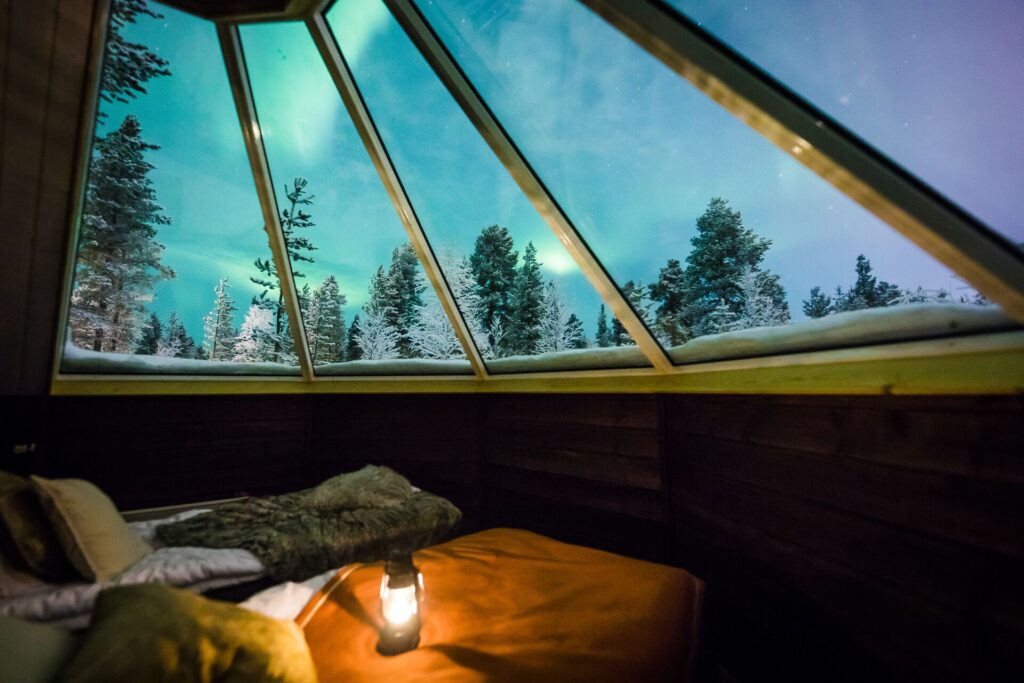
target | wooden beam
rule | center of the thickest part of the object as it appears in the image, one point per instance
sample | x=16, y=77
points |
x=982, y=256
x=234, y=61
x=977, y=364
x=83, y=156
x=343, y=79
x=498, y=139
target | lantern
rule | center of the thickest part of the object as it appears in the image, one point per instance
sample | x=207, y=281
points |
x=401, y=591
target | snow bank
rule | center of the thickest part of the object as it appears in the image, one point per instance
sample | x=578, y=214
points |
x=403, y=366
x=81, y=361
x=573, y=359
x=853, y=328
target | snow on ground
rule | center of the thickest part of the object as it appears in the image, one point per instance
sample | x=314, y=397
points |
x=403, y=366
x=572, y=359
x=853, y=328
x=81, y=361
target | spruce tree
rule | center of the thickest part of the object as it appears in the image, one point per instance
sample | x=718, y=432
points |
x=151, y=335
x=405, y=293
x=118, y=255
x=671, y=296
x=603, y=337
x=298, y=247
x=554, y=320
x=218, y=330
x=493, y=264
x=575, y=338
x=176, y=337
x=325, y=324
x=126, y=65
x=867, y=291
x=352, y=350
x=723, y=249
x=638, y=296
x=525, y=305
x=818, y=305
x=459, y=276
x=255, y=341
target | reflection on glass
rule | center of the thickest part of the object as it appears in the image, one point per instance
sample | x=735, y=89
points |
x=366, y=305
x=171, y=224
x=527, y=304
x=937, y=85
x=725, y=245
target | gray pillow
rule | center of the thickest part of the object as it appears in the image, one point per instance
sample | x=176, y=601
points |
x=33, y=653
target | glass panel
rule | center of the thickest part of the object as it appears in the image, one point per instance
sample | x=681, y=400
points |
x=938, y=85
x=366, y=303
x=171, y=223
x=725, y=244
x=529, y=306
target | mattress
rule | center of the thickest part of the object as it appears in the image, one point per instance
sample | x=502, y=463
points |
x=510, y=605
x=197, y=569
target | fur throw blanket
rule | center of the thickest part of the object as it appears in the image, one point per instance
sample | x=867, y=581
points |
x=362, y=516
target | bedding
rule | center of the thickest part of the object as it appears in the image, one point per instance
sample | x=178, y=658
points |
x=510, y=605
x=198, y=569
x=93, y=534
x=153, y=632
x=358, y=516
x=24, y=523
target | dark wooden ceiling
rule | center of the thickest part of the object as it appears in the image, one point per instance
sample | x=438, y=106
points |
x=244, y=9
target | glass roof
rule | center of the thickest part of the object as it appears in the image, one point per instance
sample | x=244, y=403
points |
x=938, y=85
x=723, y=244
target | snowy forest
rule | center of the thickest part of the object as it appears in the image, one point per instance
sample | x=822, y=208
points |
x=721, y=286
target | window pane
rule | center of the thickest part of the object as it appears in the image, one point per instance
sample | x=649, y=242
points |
x=938, y=85
x=171, y=224
x=366, y=303
x=728, y=246
x=529, y=306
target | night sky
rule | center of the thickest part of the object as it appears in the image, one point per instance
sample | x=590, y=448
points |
x=631, y=151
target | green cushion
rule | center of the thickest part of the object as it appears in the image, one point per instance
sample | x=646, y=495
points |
x=33, y=653
x=28, y=527
x=152, y=632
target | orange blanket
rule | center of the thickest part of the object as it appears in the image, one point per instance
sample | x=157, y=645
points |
x=510, y=605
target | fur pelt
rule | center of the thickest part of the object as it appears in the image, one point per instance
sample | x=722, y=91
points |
x=362, y=516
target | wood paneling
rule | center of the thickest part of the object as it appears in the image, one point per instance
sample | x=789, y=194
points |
x=840, y=538
x=44, y=55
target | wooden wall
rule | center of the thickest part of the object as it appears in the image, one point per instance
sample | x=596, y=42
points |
x=866, y=538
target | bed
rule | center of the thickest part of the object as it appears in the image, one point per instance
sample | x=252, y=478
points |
x=197, y=569
x=511, y=605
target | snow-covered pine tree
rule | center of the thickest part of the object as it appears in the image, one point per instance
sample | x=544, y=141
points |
x=818, y=305
x=404, y=288
x=378, y=339
x=493, y=264
x=867, y=291
x=175, y=335
x=721, y=319
x=761, y=308
x=152, y=332
x=169, y=347
x=255, y=341
x=352, y=350
x=525, y=305
x=671, y=296
x=218, y=330
x=554, y=319
x=325, y=324
x=126, y=65
x=459, y=275
x=603, y=337
x=118, y=255
x=638, y=296
x=299, y=248
x=722, y=249
x=575, y=338
x=433, y=336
